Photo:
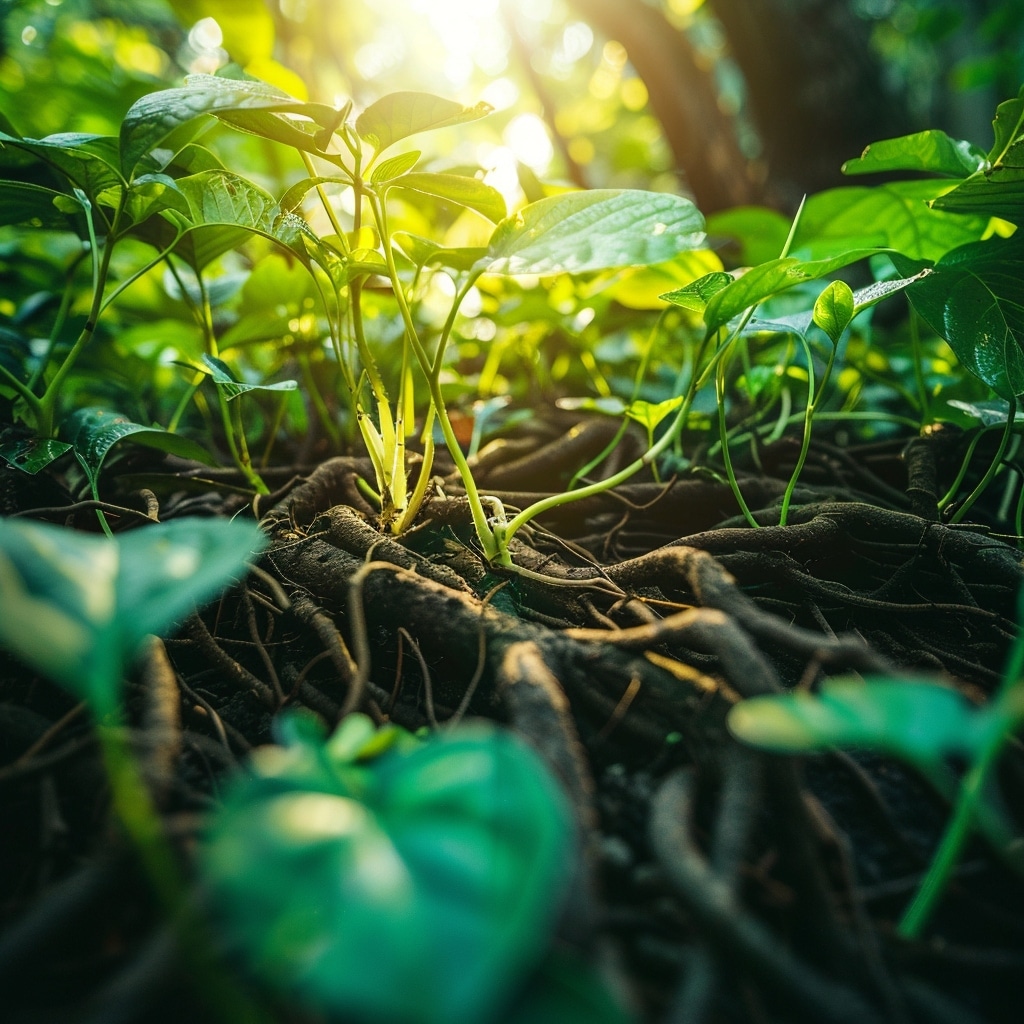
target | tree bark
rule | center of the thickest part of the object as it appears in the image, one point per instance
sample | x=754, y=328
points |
x=684, y=99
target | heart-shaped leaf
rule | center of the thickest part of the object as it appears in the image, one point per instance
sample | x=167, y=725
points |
x=417, y=886
x=599, y=229
x=77, y=607
x=833, y=310
x=973, y=298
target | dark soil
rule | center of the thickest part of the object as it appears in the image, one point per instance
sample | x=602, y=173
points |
x=721, y=884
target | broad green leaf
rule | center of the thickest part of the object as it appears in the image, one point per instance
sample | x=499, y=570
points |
x=77, y=606
x=698, y=294
x=304, y=135
x=998, y=192
x=439, y=867
x=93, y=432
x=223, y=210
x=23, y=203
x=151, y=119
x=921, y=722
x=400, y=114
x=456, y=188
x=931, y=151
x=834, y=309
x=974, y=299
x=395, y=166
x=232, y=388
x=599, y=229
x=88, y=161
x=148, y=195
x=31, y=454
x=895, y=215
x=760, y=283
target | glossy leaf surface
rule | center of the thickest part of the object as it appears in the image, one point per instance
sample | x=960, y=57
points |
x=93, y=432
x=156, y=115
x=974, y=299
x=437, y=868
x=600, y=229
x=834, y=309
x=930, y=151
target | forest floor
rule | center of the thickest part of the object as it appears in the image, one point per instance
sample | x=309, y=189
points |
x=721, y=884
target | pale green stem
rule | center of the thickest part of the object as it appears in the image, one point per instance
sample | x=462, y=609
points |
x=720, y=380
x=812, y=404
x=59, y=320
x=993, y=468
x=101, y=268
x=484, y=532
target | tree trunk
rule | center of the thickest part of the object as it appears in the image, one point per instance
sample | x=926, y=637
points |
x=683, y=97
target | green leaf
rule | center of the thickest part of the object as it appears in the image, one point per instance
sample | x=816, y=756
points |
x=1008, y=128
x=439, y=868
x=23, y=203
x=895, y=216
x=696, y=295
x=456, y=188
x=423, y=251
x=759, y=232
x=650, y=414
x=998, y=192
x=921, y=722
x=89, y=162
x=395, y=167
x=148, y=195
x=931, y=151
x=224, y=209
x=974, y=299
x=77, y=607
x=599, y=229
x=760, y=283
x=834, y=309
x=232, y=388
x=151, y=119
x=93, y=432
x=31, y=454
x=304, y=135
x=400, y=114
